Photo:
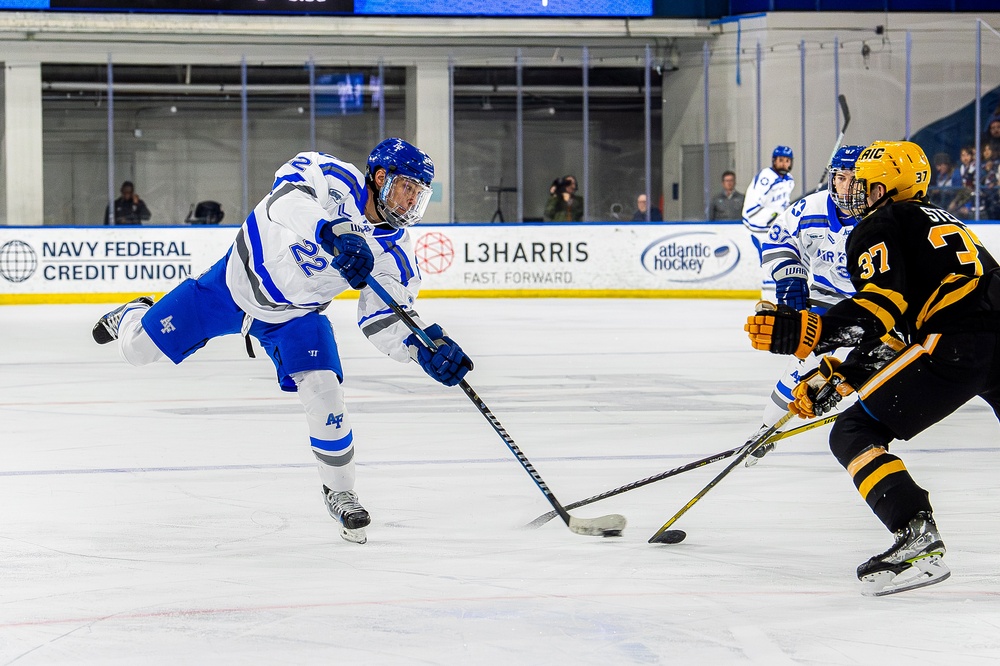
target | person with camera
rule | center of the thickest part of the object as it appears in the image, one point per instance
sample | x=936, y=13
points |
x=129, y=208
x=564, y=204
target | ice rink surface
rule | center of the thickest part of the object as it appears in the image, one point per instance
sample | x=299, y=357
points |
x=169, y=515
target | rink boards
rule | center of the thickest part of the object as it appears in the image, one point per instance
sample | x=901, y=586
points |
x=679, y=260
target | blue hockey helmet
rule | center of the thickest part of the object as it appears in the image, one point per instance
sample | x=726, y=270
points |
x=845, y=157
x=404, y=195
x=782, y=151
x=843, y=160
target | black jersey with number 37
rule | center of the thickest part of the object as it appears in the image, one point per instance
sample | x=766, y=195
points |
x=917, y=269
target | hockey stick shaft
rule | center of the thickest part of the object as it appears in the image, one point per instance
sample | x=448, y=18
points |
x=597, y=526
x=747, y=449
x=697, y=464
x=840, y=138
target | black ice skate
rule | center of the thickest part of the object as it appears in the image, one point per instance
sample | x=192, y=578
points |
x=344, y=507
x=913, y=561
x=106, y=328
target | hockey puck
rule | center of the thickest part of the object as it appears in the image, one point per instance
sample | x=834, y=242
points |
x=611, y=533
x=672, y=536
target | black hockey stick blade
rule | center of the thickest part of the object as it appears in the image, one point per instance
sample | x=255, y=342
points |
x=672, y=536
x=844, y=110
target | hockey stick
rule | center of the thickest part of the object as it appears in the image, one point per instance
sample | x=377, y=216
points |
x=666, y=535
x=840, y=139
x=546, y=517
x=605, y=526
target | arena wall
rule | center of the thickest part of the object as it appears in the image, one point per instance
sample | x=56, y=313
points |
x=671, y=260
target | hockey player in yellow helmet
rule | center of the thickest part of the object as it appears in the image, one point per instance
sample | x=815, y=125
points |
x=924, y=325
x=888, y=171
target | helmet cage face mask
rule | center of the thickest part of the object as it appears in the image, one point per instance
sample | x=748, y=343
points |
x=856, y=201
x=402, y=201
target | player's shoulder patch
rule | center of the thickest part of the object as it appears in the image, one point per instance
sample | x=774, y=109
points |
x=798, y=207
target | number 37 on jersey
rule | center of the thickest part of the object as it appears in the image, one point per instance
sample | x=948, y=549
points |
x=944, y=227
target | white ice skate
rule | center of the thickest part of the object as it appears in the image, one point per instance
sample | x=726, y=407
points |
x=913, y=561
x=761, y=451
x=345, y=509
x=106, y=328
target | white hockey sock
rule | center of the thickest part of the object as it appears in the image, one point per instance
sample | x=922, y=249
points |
x=773, y=411
x=777, y=403
x=134, y=345
x=330, y=432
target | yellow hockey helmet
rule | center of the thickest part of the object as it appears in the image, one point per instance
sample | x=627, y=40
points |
x=901, y=167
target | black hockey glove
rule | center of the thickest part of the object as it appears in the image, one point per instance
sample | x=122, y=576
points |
x=448, y=364
x=782, y=330
x=351, y=255
x=820, y=390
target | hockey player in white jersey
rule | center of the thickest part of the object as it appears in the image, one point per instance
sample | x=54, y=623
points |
x=767, y=197
x=323, y=229
x=804, y=253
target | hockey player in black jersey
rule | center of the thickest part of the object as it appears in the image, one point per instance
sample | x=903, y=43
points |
x=925, y=330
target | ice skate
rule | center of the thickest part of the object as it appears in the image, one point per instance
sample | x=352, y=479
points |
x=913, y=561
x=106, y=328
x=761, y=450
x=344, y=507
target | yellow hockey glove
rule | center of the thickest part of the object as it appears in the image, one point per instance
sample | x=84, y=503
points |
x=781, y=330
x=820, y=390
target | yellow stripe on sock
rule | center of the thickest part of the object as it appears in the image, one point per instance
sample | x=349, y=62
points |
x=879, y=474
x=864, y=458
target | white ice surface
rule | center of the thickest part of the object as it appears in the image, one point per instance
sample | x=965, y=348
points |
x=169, y=515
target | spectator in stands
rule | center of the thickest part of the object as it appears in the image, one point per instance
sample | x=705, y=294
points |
x=640, y=214
x=967, y=168
x=992, y=134
x=990, y=167
x=963, y=204
x=564, y=204
x=728, y=204
x=945, y=182
x=129, y=208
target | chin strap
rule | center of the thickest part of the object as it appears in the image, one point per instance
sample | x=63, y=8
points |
x=373, y=188
x=881, y=200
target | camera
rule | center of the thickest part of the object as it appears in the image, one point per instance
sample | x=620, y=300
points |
x=560, y=185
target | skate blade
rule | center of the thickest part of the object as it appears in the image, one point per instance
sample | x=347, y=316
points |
x=758, y=453
x=922, y=572
x=354, y=536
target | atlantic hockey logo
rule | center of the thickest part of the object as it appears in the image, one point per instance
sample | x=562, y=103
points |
x=691, y=256
x=18, y=261
x=435, y=252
